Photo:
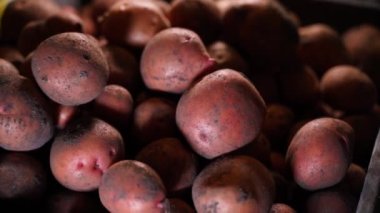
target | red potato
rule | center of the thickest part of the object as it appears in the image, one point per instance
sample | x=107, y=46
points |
x=234, y=184
x=281, y=208
x=343, y=87
x=153, y=119
x=259, y=149
x=26, y=121
x=22, y=177
x=173, y=59
x=70, y=68
x=174, y=163
x=133, y=22
x=83, y=151
x=321, y=47
x=220, y=113
x=115, y=106
x=132, y=186
x=12, y=55
x=207, y=22
x=6, y=68
x=330, y=201
x=354, y=180
x=320, y=153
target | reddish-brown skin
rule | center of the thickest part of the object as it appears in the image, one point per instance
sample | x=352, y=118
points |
x=114, y=105
x=281, y=208
x=299, y=87
x=133, y=22
x=124, y=68
x=70, y=68
x=354, y=179
x=343, y=87
x=12, y=55
x=173, y=162
x=65, y=114
x=173, y=59
x=207, y=22
x=132, y=186
x=321, y=47
x=7, y=68
x=320, y=153
x=263, y=29
x=259, y=149
x=234, y=184
x=154, y=118
x=331, y=200
x=227, y=57
x=26, y=121
x=83, y=151
x=21, y=12
x=220, y=113
x=179, y=206
x=22, y=177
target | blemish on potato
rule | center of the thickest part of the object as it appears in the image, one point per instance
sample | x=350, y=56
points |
x=211, y=208
x=83, y=74
x=86, y=57
x=243, y=195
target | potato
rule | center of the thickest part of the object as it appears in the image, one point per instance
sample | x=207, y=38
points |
x=173, y=59
x=321, y=47
x=173, y=162
x=227, y=57
x=12, y=55
x=133, y=22
x=179, y=206
x=354, y=180
x=320, y=153
x=281, y=208
x=19, y=13
x=22, y=177
x=206, y=23
x=329, y=201
x=132, y=186
x=26, y=121
x=65, y=114
x=153, y=119
x=6, y=68
x=115, y=106
x=124, y=68
x=233, y=184
x=220, y=113
x=259, y=149
x=83, y=151
x=263, y=29
x=70, y=68
x=343, y=87
x=278, y=163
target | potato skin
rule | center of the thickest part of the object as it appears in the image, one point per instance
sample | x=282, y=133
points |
x=70, y=68
x=83, y=151
x=132, y=186
x=173, y=59
x=220, y=113
x=26, y=121
x=320, y=153
x=234, y=184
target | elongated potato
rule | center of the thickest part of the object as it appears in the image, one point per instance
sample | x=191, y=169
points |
x=220, y=113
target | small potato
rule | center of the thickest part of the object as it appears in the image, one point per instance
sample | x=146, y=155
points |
x=6, y=68
x=70, y=68
x=115, y=106
x=179, y=206
x=26, y=120
x=321, y=47
x=281, y=208
x=12, y=55
x=132, y=186
x=234, y=184
x=133, y=22
x=153, y=119
x=220, y=113
x=343, y=87
x=173, y=162
x=206, y=23
x=173, y=59
x=330, y=200
x=83, y=151
x=354, y=179
x=320, y=153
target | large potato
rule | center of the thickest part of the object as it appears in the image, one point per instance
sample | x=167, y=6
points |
x=320, y=153
x=220, y=113
x=234, y=184
x=70, y=68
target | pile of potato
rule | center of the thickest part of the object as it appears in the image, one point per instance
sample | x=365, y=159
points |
x=183, y=106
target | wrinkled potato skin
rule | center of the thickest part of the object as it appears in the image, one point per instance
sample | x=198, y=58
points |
x=83, y=151
x=234, y=184
x=132, y=186
x=70, y=68
x=320, y=153
x=220, y=113
x=26, y=121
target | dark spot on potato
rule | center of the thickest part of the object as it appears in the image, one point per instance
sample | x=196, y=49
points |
x=80, y=165
x=44, y=78
x=243, y=195
x=7, y=107
x=112, y=152
x=211, y=208
x=86, y=57
x=83, y=74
